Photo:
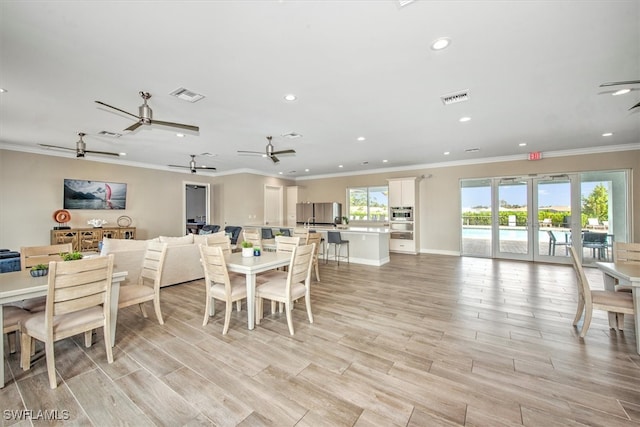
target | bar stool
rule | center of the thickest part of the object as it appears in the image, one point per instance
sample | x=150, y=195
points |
x=334, y=238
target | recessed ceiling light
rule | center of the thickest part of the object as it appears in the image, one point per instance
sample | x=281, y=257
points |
x=290, y=97
x=464, y=119
x=123, y=154
x=306, y=170
x=340, y=166
x=281, y=173
x=446, y=153
x=3, y=90
x=440, y=43
x=607, y=134
x=522, y=144
x=385, y=161
x=180, y=135
x=361, y=138
x=621, y=92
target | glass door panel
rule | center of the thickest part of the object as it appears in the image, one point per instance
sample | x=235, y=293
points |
x=604, y=213
x=553, y=213
x=476, y=217
x=511, y=227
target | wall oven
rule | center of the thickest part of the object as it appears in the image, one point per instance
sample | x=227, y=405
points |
x=401, y=213
x=401, y=230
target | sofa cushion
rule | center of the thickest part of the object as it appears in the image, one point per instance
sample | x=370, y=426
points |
x=174, y=241
x=205, y=239
x=118, y=245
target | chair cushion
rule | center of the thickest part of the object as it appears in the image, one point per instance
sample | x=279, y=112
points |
x=275, y=289
x=65, y=323
x=135, y=293
x=6, y=254
x=12, y=317
x=238, y=289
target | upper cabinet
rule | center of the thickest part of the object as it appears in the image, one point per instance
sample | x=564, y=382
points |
x=402, y=192
x=295, y=194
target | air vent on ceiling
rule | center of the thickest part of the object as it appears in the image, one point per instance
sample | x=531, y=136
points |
x=186, y=95
x=291, y=135
x=454, y=98
x=109, y=134
x=471, y=150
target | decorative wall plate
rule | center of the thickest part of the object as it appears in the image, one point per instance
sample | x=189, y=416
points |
x=123, y=221
x=61, y=215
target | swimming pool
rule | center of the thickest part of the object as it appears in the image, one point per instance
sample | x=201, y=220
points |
x=505, y=234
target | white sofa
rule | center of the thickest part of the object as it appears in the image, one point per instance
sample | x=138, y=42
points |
x=182, y=263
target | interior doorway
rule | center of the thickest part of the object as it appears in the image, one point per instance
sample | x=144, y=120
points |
x=273, y=205
x=196, y=206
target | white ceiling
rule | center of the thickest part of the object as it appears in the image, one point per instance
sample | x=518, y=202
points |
x=359, y=68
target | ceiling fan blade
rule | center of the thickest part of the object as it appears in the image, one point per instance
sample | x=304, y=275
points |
x=209, y=168
x=104, y=153
x=284, y=152
x=134, y=126
x=274, y=158
x=117, y=109
x=635, y=106
x=176, y=125
x=56, y=147
x=629, y=82
x=179, y=166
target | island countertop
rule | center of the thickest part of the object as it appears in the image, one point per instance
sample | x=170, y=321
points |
x=367, y=245
x=346, y=229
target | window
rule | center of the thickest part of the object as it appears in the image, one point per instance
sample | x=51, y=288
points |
x=369, y=203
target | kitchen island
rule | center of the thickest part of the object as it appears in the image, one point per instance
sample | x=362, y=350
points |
x=367, y=245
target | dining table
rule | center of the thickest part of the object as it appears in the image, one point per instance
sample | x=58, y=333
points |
x=623, y=273
x=16, y=286
x=250, y=267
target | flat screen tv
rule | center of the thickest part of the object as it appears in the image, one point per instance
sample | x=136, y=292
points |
x=83, y=194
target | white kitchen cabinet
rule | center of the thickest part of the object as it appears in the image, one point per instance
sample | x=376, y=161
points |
x=401, y=245
x=402, y=192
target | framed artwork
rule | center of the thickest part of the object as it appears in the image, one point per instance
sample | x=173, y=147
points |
x=83, y=194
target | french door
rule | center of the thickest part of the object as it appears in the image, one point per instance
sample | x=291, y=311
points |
x=539, y=218
x=534, y=218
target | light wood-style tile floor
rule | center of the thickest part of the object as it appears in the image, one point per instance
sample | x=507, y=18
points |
x=426, y=340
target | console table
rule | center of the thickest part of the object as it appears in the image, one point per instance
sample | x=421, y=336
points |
x=87, y=239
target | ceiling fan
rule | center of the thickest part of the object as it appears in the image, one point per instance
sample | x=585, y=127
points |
x=81, y=148
x=192, y=165
x=269, y=152
x=625, y=83
x=145, y=116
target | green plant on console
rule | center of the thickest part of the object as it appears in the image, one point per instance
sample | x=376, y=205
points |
x=345, y=219
x=40, y=267
x=246, y=244
x=71, y=256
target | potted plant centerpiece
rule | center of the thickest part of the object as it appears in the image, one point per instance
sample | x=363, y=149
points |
x=247, y=249
x=71, y=256
x=39, y=270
